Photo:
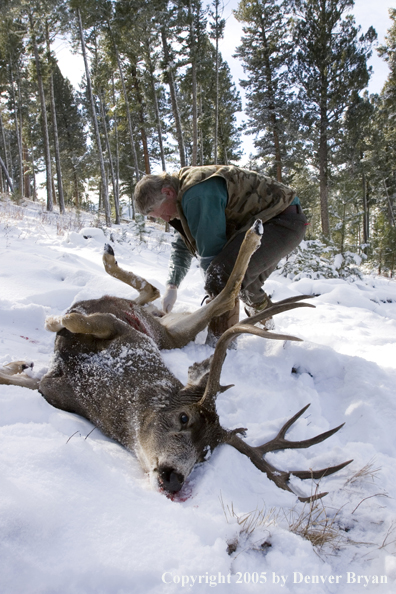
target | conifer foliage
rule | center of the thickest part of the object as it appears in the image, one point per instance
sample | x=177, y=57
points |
x=157, y=95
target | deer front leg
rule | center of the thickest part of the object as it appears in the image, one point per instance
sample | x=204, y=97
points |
x=104, y=326
x=13, y=374
x=147, y=292
x=183, y=330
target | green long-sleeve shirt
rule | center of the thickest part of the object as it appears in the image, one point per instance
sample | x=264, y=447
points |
x=204, y=208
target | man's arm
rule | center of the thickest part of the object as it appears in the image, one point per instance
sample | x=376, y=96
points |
x=179, y=264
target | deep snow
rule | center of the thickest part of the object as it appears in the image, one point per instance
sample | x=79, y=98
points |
x=78, y=515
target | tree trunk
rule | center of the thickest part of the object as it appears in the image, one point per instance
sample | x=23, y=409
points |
x=216, y=134
x=390, y=208
x=128, y=113
x=55, y=128
x=113, y=177
x=17, y=130
x=8, y=177
x=194, y=158
x=9, y=182
x=47, y=152
x=22, y=159
x=175, y=108
x=155, y=102
x=11, y=165
x=129, y=119
x=216, y=102
x=117, y=153
x=76, y=191
x=366, y=230
x=271, y=105
x=323, y=184
x=34, y=197
x=201, y=148
x=323, y=160
x=222, y=141
x=194, y=114
x=26, y=176
x=53, y=189
x=139, y=101
x=104, y=193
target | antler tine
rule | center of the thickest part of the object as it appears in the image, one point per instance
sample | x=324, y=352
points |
x=213, y=384
x=277, y=308
x=318, y=474
x=279, y=477
x=280, y=443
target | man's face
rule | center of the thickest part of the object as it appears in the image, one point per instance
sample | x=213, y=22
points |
x=167, y=210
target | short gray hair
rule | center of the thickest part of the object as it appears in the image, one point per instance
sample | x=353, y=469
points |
x=147, y=193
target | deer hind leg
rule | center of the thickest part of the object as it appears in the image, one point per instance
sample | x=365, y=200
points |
x=147, y=292
x=100, y=325
x=183, y=330
x=13, y=374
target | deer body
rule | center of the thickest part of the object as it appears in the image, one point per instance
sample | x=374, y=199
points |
x=107, y=367
x=123, y=387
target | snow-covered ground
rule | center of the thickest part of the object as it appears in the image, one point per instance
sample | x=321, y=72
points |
x=77, y=513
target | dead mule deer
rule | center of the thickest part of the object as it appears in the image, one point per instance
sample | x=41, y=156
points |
x=108, y=368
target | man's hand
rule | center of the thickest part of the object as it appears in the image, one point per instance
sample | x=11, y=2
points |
x=169, y=299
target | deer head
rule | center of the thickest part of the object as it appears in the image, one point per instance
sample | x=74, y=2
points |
x=182, y=435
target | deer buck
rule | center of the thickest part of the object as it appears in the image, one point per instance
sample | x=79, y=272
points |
x=107, y=367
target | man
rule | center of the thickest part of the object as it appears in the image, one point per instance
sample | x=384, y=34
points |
x=212, y=207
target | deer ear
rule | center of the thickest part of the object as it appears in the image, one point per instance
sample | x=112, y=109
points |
x=198, y=373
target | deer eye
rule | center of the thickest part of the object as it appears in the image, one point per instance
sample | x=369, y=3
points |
x=184, y=418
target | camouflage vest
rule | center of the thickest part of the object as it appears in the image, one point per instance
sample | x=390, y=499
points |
x=251, y=196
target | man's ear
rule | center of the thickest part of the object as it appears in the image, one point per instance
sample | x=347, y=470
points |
x=168, y=191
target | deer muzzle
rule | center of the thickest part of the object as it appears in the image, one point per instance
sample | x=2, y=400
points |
x=170, y=480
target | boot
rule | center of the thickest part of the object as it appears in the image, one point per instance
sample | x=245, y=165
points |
x=252, y=310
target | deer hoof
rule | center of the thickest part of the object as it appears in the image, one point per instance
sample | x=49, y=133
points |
x=258, y=227
x=53, y=323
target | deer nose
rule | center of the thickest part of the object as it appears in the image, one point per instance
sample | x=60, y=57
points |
x=169, y=479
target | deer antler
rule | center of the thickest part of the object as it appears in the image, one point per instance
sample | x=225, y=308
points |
x=256, y=454
x=277, y=308
x=246, y=327
x=280, y=477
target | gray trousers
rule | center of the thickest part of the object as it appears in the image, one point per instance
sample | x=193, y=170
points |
x=281, y=235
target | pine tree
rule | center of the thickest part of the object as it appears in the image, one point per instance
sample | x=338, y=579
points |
x=13, y=72
x=217, y=32
x=72, y=138
x=33, y=26
x=229, y=142
x=103, y=187
x=266, y=51
x=387, y=117
x=330, y=67
x=352, y=176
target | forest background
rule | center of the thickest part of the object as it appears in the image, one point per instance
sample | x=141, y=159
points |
x=157, y=94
